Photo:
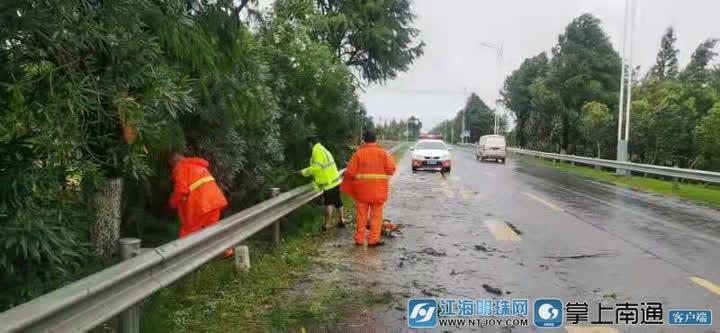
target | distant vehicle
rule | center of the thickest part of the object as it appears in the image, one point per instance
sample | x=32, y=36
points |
x=427, y=136
x=431, y=154
x=491, y=147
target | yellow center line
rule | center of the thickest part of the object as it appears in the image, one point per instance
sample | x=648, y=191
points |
x=501, y=231
x=468, y=194
x=544, y=202
x=590, y=329
x=706, y=284
x=455, y=178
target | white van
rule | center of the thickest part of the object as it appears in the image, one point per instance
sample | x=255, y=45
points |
x=491, y=147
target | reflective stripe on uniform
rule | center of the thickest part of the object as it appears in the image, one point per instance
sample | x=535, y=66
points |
x=371, y=176
x=328, y=159
x=201, y=181
x=323, y=166
x=339, y=178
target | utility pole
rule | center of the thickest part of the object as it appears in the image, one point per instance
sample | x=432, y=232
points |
x=499, y=56
x=628, y=105
x=407, y=130
x=462, y=135
x=622, y=145
x=452, y=132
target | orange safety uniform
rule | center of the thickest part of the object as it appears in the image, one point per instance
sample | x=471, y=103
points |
x=197, y=197
x=366, y=181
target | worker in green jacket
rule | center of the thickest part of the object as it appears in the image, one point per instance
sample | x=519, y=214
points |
x=326, y=179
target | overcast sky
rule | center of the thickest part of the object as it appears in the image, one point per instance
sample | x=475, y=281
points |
x=455, y=63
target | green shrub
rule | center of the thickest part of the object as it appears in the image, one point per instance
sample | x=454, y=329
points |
x=43, y=225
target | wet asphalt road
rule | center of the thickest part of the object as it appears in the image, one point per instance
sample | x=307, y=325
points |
x=570, y=238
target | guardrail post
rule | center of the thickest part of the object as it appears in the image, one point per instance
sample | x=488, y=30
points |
x=675, y=184
x=242, y=258
x=275, y=191
x=130, y=318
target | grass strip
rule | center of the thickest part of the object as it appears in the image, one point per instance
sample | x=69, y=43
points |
x=696, y=192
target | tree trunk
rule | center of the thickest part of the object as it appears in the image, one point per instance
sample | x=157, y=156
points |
x=695, y=160
x=108, y=214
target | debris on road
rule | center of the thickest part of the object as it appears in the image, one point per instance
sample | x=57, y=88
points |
x=484, y=249
x=514, y=228
x=453, y=272
x=433, y=252
x=580, y=256
x=612, y=295
x=427, y=292
x=492, y=289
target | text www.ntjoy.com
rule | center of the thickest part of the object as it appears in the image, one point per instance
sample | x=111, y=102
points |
x=483, y=322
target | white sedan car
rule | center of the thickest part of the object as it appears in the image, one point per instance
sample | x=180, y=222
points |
x=431, y=155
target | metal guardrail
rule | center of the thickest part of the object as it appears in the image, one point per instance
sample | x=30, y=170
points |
x=97, y=298
x=675, y=173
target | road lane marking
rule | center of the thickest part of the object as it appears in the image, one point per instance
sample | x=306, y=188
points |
x=468, y=194
x=590, y=329
x=501, y=231
x=706, y=284
x=455, y=178
x=545, y=202
x=449, y=193
x=631, y=211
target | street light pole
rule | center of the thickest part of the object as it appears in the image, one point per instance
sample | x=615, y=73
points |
x=407, y=130
x=628, y=106
x=499, y=54
x=622, y=78
x=452, y=132
x=622, y=145
x=462, y=135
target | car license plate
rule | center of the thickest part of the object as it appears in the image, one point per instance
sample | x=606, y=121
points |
x=431, y=162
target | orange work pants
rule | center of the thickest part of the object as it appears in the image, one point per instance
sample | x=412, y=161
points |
x=361, y=214
x=190, y=227
x=205, y=220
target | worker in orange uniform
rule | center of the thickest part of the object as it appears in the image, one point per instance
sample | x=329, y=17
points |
x=366, y=181
x=196, y=196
